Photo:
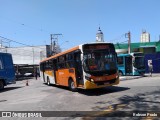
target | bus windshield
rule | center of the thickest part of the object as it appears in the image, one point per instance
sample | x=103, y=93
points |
x=139, y=62
x=99, y=61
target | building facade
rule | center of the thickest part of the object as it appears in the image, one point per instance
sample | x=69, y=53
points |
x=151, y=51
x=146, y=48
x=145, y=37
x=29, y=55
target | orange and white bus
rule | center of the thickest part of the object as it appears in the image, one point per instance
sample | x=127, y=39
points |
x=86, y=66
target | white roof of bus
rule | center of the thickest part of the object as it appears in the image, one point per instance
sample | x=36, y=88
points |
x=73, y=49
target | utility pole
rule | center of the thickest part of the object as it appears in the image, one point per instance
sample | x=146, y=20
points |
x=51, y=47
x=54, y=43
x=128, y=35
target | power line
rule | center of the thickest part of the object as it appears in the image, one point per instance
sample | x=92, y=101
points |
x=15, y=41
x=123, y=42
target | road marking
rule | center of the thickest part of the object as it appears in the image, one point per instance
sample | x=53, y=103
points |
x=110, y=109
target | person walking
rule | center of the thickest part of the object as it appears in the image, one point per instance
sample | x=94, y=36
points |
x=150, y=67
x=35, y=73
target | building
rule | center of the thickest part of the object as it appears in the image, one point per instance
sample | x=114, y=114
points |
x=99, y=36
x=28, y=55
x=147, y=47
x=150, y=49
x=145, y=37
x=26, y=59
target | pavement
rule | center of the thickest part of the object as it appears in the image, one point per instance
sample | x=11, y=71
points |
x=132, y=94
x=137, y=77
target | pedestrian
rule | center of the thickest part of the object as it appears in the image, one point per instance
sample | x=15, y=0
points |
x=150, y=67
x=35, y=73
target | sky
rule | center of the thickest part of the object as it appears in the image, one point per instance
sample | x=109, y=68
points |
x=32, y=21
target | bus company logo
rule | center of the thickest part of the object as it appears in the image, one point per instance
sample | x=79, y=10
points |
x=6, y=114
x=61, y=73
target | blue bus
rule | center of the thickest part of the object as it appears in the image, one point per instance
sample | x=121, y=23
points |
x=7, y=72
x=131, y=64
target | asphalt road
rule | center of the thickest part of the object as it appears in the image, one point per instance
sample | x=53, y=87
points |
x=132, y=94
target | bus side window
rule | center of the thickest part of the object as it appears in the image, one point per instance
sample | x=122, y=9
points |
x=55, y=66
x=50, y=64
x=61, y=62
x=69, y=60
x=120, y=60
x=42, y=66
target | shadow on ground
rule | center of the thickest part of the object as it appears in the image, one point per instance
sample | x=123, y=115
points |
x=95, y=92
x=102, y=91
x=23, y=78
x=127, y=105
x=9, y=88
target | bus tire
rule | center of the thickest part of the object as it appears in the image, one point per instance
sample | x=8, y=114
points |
x=1, y=85
x=72, y=86
x=120, y=73
x=48, y=81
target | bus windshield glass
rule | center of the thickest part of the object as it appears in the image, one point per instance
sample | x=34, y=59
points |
x=139, y=62
x=99, y=61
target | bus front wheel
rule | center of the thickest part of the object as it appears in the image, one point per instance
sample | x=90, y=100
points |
x=1, y=85
x=72, y=86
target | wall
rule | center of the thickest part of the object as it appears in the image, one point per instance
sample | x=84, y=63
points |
x=28, y=55
x=155, y=62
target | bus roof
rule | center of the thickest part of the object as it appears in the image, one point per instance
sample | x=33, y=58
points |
x=61, y=53
x=71, y=50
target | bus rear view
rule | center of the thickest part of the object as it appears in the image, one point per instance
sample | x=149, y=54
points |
x=7, y=72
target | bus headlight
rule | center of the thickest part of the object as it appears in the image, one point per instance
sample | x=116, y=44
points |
x=92, y=80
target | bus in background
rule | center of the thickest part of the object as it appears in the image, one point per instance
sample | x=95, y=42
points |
x=131, y=64
x=86, y=66
x=7, y=72
x=124, y=62
x=138, y=63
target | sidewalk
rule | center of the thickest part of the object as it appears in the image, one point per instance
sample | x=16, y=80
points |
x=153, y=75
x=137, y=77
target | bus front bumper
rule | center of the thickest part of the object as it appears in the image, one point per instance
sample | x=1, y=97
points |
x=92, y=85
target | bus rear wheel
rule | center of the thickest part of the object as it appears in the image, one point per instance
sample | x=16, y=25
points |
x=1, y=85
x=72, y=86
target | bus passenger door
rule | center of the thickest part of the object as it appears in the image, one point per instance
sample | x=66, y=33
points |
x=128, y=65
x=78, y=68
x=55, y=69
